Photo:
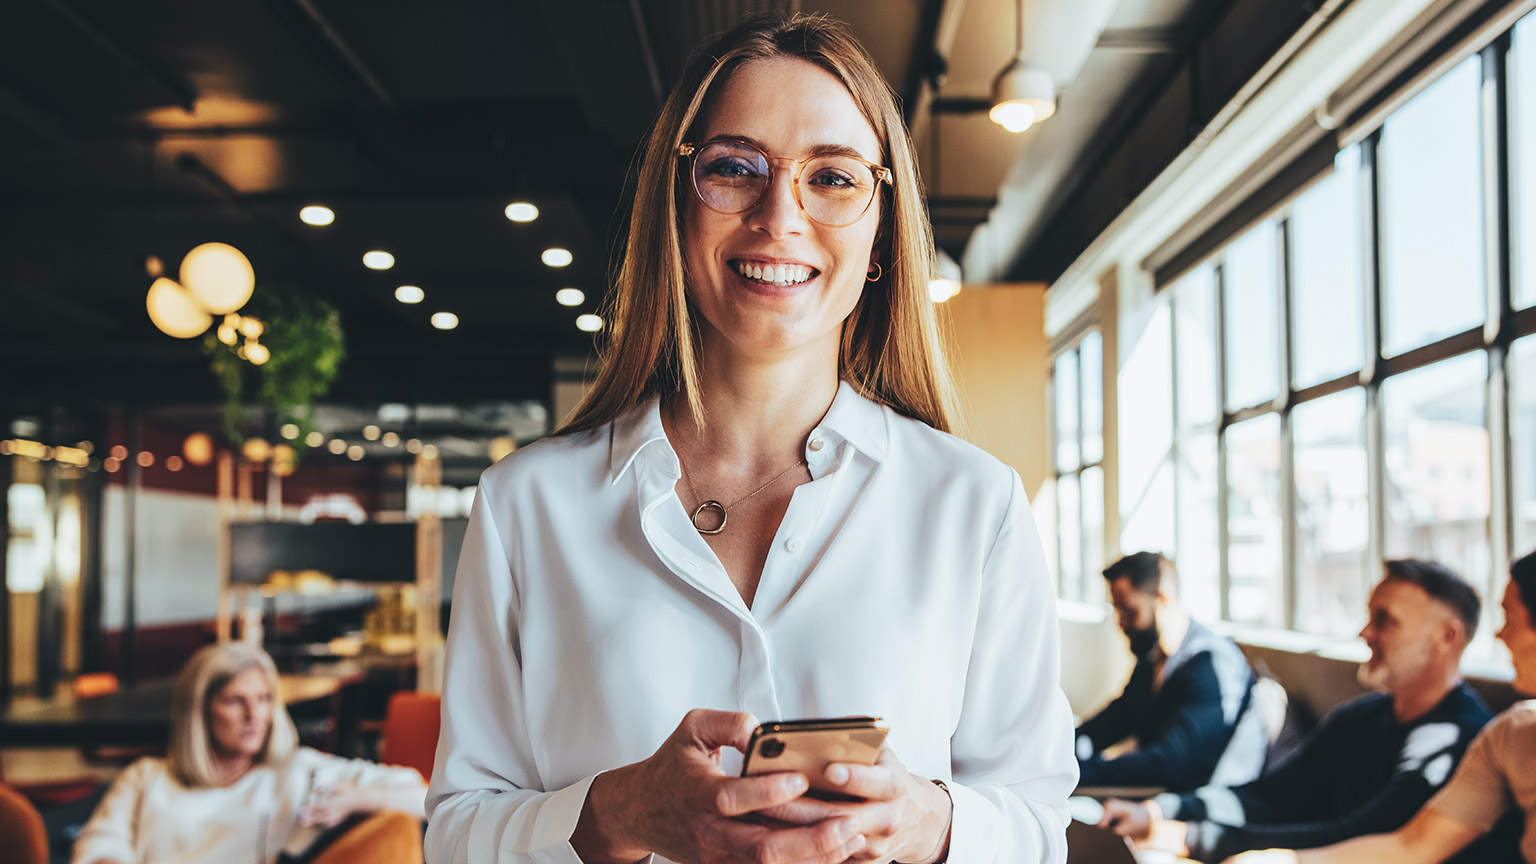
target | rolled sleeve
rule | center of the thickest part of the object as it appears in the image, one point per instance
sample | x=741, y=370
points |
x=1478, y=793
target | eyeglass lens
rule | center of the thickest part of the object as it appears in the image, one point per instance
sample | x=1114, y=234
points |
x=834, y=190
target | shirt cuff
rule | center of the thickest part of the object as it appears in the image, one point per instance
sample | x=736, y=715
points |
x=972, y=827
x=1169, y=803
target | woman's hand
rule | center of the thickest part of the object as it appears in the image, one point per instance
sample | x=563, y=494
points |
x=678, y=803
x=329, y=804
x=905, y=817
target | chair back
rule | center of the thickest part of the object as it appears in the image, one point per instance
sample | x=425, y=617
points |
x=21, y=829
x=411, y=725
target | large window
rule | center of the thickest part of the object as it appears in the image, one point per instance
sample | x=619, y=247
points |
x=1146, y=438
x=1328, y=284
x=1522, y=422
x=1435, y=443
x=1251, y=299
x=1522, y=157
x=1077, y=420
x=1332, y=371
x=1333, y=520
x=1254, y=522
x=1432, y=214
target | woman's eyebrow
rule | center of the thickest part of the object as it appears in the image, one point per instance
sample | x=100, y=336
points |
x=815, y=149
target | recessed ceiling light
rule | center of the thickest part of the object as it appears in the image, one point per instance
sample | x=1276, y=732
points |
x=413, y=445
x=337, y=446
x=371, y=432
x=314, y=439
x=589, y=323
x=289, y=431
x=410, y=294
x=522, y=211
x=315, y=214
x=355, y=452
x=570, y=297
x=445, y=320
x=378, y=260
x=554, y=256
x=391, y=439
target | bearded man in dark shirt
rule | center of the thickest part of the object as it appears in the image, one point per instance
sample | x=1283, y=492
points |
x=1372, y=762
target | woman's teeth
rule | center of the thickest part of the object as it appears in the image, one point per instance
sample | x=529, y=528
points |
x=774, y=274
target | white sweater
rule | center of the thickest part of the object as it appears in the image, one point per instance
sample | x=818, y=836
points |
x=149, y=816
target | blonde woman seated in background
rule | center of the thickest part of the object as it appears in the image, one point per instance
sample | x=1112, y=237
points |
x=235, y=785
x=1494, y=780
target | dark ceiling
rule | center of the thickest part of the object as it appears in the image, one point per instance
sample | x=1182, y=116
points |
x=131, y=129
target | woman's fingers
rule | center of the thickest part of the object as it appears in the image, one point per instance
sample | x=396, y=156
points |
x=738, y=796
x=829, y=842
x=711, y=729
x=872, y=782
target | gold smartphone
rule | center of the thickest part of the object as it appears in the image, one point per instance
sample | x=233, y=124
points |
x=809, y=746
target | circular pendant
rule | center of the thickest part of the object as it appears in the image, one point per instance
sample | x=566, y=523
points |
x=710, y=505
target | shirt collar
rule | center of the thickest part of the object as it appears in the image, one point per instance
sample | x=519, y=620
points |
x=852, y=418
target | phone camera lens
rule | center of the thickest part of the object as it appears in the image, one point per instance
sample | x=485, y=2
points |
x=773, y=748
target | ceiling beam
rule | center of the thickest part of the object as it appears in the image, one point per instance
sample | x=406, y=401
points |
x=41, y=121
x=322, y=27
x=647, y=53
x=1145, y=40
x=178, y=92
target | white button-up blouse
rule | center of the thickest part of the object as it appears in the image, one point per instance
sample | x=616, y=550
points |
x=906, y=582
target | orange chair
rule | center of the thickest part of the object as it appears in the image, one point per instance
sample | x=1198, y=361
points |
x=386, y=836
x=21, y=829
x=95, y=684
x=411, y=725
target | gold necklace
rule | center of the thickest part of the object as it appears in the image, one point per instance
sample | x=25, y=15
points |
x=723, y=509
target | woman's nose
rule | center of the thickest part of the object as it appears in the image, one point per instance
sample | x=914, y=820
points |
x=778, y=213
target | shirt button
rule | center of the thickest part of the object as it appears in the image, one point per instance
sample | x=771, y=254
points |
x=792, y=544
x=816, y=444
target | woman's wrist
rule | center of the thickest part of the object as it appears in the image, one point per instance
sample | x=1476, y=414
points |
x=940, y=817
x=604, y=832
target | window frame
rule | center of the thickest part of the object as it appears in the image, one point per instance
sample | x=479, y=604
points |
x=1502, y=325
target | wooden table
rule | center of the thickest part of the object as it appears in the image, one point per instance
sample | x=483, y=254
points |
x=140, y=715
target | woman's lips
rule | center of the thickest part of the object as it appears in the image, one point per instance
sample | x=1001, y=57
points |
x=777, y=273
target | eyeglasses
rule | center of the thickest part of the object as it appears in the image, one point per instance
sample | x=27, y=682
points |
x=833, y=189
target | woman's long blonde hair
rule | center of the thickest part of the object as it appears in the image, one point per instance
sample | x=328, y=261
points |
x=190, y=756
x=891, y=349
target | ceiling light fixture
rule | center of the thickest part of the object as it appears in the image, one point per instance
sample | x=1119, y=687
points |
x=522, y=211
x=445, y=320
x=410, y=294
x=589, y=323
x=554, y=256
x=219, y=276
x=317, y=215
x=570, y=297
x=378, y=260
x=1022, y=94
x=946, y=279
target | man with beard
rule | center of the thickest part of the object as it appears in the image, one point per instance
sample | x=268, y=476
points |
x=1372, y=762
x=1186, y=703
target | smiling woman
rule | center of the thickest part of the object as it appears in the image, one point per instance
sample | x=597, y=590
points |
x=235, y=786
x=758, y=514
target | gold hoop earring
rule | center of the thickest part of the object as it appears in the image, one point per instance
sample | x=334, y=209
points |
x=879, y=271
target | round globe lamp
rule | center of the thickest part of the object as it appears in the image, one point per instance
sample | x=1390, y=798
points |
x=256, y=450
x=174, y=310
x=198, y=448
x=219, y=276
